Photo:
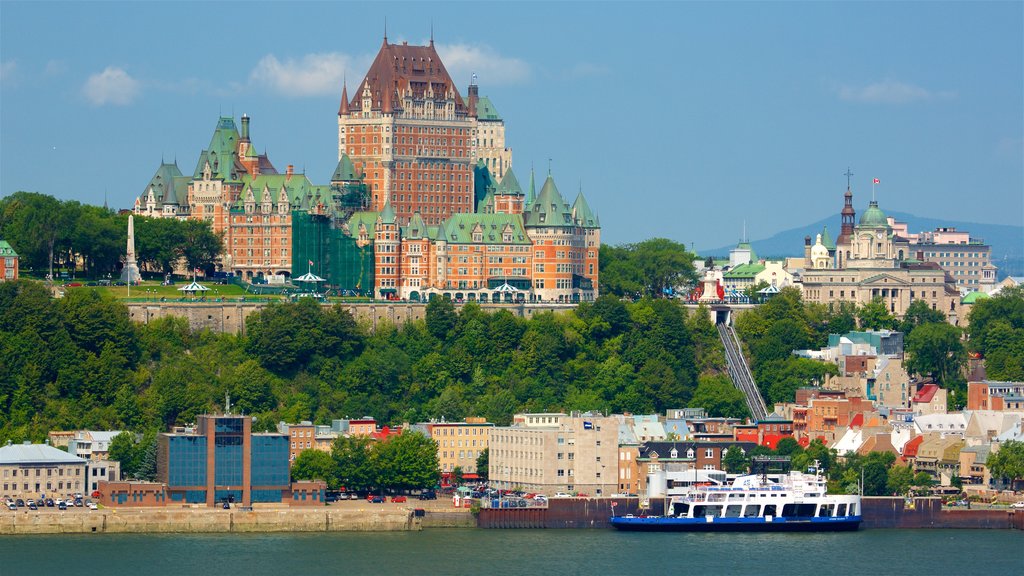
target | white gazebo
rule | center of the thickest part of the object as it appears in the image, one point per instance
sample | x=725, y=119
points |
x=192, y=288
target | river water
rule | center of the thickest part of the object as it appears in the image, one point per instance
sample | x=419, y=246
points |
x=514, y=552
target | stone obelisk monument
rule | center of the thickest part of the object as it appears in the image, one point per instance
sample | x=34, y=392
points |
x=130, y=272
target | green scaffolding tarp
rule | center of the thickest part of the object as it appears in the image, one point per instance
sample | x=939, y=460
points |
x=336, y=257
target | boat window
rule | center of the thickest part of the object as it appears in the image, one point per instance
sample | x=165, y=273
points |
x=770, y=510
x=682, y=510
x=751, y=511
x=826, y=510
x=733, y=510
x=702, y=511
x=842, y=510
x=853, y=509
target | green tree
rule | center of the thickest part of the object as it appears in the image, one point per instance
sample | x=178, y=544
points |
x=147, y=451
x=406, y=461
x=936, y=349
x=457, y=476
x=918, y=313
x=316, y=465
x=655, y=268
x=1008, y=462
x=735, y=461
x=875, y=315
x=901, y=478
x=483, y=464
x=122, y=450
x=441, y=317
x=719, y=397
x=353, y=465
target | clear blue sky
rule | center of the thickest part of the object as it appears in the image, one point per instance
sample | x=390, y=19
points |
x=680, y=119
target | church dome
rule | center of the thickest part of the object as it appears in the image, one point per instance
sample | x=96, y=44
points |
x=873, y=216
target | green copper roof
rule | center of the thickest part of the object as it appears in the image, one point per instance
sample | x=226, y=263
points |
x=744, y=245
x=440, y=233
x=416, y=228
x=973, y=297
x=532, y=194
x=826, y=239
x=486, y=204
x=483, y=182
x=550, y=209
x=163, y=185
x=874, y=216
x=485, y=110
x=387, y=215
x=509, y=184
x=745, y=271
x=6, y=250
x=346, y=171
x=488, y=228
x=367, y=219
x=583, y=214
x=222, y=153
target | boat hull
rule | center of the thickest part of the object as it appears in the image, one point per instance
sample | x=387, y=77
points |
x=831, y=524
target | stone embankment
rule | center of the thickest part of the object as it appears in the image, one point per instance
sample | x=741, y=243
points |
x=198, y=520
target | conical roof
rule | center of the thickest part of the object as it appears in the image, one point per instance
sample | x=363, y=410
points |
x=826, y=239
x=550, y=208
x=510, y=184
x=346, y=170
x=387, y=215
x=584, y=215
x=532, y=194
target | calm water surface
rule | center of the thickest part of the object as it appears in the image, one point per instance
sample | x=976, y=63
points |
x=513, y=552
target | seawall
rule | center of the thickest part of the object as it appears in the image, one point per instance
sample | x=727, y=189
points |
x=881, y=512
x=229, y=315
x=198, y=520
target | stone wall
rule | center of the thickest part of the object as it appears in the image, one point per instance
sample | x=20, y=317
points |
x=158, y=520
x=229, y=316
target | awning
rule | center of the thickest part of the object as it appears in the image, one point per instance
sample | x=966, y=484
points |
x=193, y=287
x=388, y=290
x=308, y=277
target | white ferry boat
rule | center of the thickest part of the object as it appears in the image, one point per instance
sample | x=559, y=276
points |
x=785, y=502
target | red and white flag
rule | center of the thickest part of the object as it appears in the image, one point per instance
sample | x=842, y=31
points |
x=310, y=262
x=876, y=181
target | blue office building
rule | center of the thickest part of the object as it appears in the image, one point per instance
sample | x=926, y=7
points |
x=224, y=461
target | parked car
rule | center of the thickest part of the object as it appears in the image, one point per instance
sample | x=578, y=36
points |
x=562, y=495
x=1017, y=504
x=62, y=506
x=32, y=505
x=93, y=506
x=428, y=495
x=20, y=503
x=49, y=502
x=225, y=506
x=398, y=499
x=376, y=499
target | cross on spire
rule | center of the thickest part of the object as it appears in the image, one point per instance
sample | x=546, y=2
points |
x=848, y=174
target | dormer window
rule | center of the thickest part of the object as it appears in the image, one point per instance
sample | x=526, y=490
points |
x=674, y=453
x=689, y=453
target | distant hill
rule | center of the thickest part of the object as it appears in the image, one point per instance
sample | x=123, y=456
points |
x=1007, y=241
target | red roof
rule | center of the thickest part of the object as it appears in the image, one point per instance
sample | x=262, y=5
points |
x=926, y=393
x=910, y=448
x=857, y=421
x=400, y=70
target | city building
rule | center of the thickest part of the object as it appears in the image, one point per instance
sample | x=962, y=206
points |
x=995, y=395
x=8, y=262
x=870, y=260
x=556, y=452
x=967, y=259
x=307, y=436
x=459, y=444
x=32, y=470
x=223, y=460
x=410, y=132
x=92, y=444
x=655, y=458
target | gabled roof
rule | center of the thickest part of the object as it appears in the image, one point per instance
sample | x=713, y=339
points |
x=36, y=454
x=367, y=219
x=6, y=250
x=910, y=448
x=973, y=297
x=550, y=209
x=400, y=70
x=222, y=152
x=416, y=228
x=926, y=393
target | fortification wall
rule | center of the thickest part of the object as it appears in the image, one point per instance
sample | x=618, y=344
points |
x=161, y=520
x=229, y=317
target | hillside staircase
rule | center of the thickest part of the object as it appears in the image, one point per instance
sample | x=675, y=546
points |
x=739, y=372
